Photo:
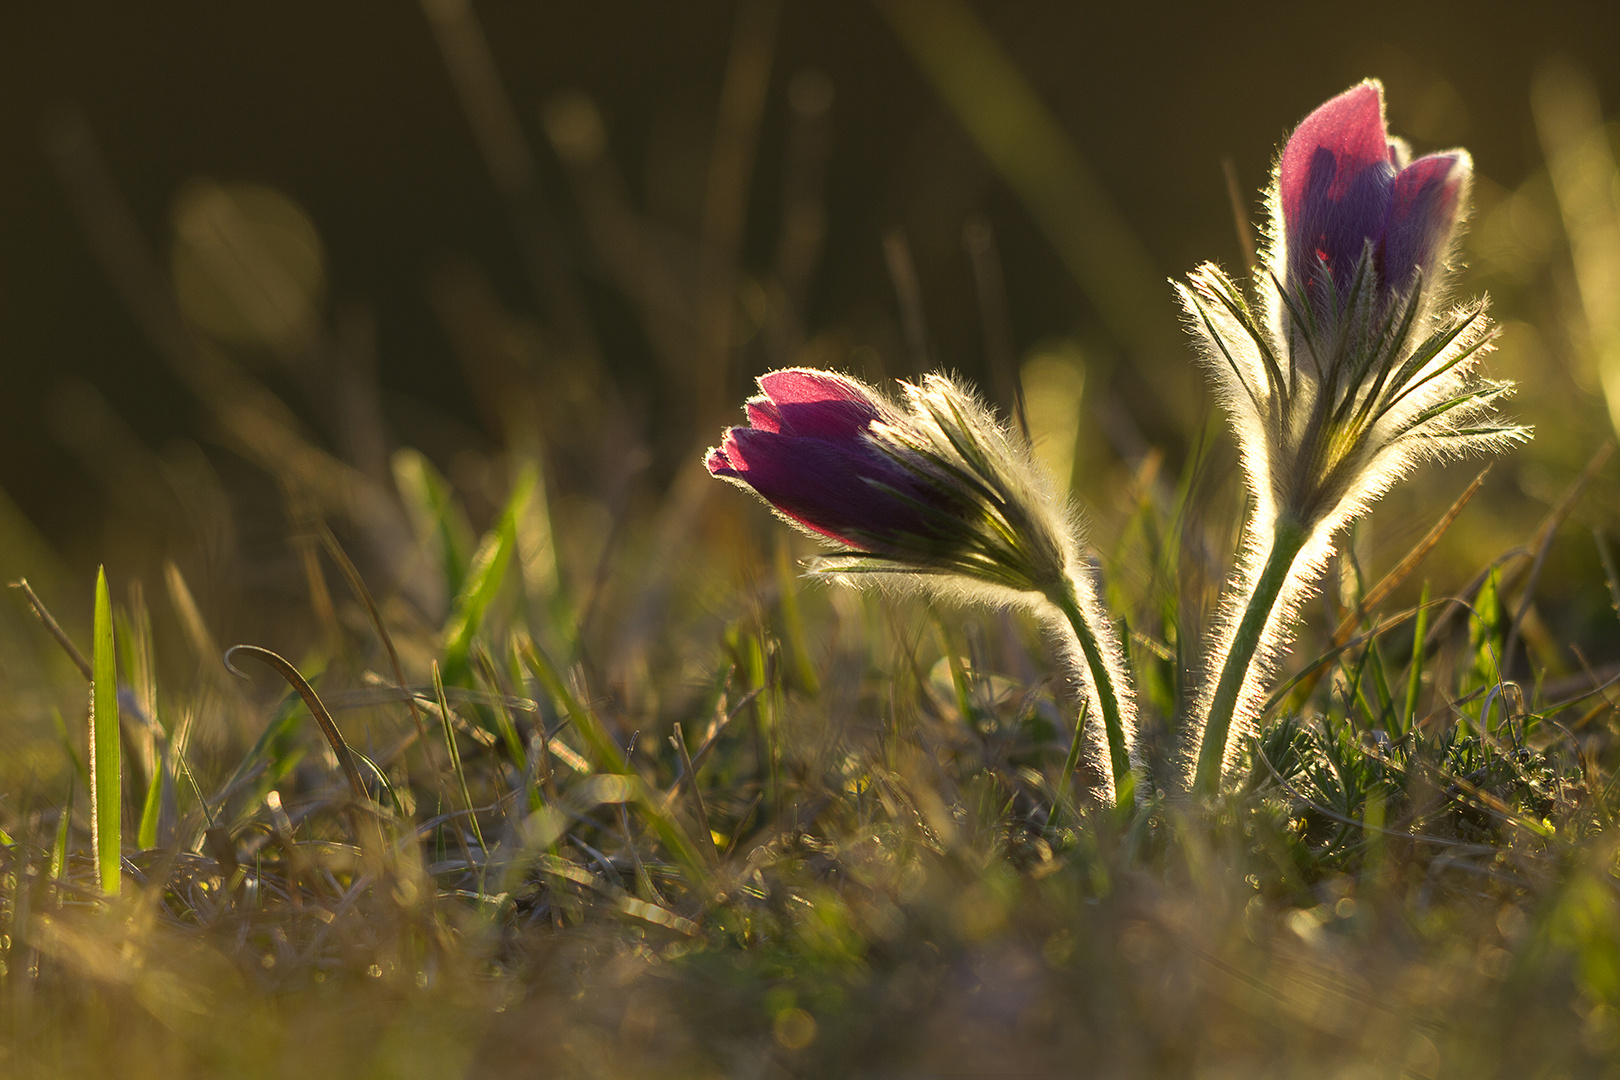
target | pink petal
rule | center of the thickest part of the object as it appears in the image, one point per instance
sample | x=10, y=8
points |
x=815, y=405
x=1350, y=129
x=835, y=489
x=1425, y=205
x=805, y=386
x=1333, y=182
x=718, y=463
x=763, y=414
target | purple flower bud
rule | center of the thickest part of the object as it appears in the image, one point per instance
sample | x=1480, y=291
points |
x=809, y=453
x=933, y=485
x=1343, y=184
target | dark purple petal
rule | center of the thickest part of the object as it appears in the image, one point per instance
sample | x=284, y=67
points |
x=1425, y=204
x=1334, y=184
x=815, y=404
x=825, y=486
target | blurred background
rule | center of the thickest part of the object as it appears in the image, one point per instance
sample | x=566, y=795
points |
x=251, y=253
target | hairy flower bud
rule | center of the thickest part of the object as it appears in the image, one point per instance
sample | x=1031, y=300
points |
x=1345, y=186
x=933, y=486
x=932, y=489
x=1343, y=371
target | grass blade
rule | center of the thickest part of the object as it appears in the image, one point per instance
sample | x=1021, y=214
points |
x=690, y=772
x=439, y=523
x=340, y=748
x=609, y=758
x=1063, y=791
x=64, y=822
x=455, y=760
x=1380, y=592
x=146, y=834
x=106, y=825
x=484, y=578
x=1414, y=678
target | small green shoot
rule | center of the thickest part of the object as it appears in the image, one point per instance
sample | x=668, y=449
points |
x=106, y=793
x=484, y=578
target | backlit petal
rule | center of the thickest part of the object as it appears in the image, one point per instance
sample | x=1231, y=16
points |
x=1426, y=202
x=1334, y=184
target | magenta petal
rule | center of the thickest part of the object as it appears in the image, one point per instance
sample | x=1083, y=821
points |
x=732, y=449
x=718, y=464
x=763, y=414
x=1349, y=131
x=805, y=386
x=1425, y=202
x=1334, y=181
x=832, y=488
x=817, y=405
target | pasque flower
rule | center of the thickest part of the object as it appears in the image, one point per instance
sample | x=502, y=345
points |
x=1341, y=370
x=1343, y=184
x=933, y=489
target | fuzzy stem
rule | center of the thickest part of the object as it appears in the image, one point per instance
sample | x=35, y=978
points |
x=1064, y=598
x=1286, y=543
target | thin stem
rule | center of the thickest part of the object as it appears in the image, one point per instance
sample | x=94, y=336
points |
x=1119, y=757
x=1285, y=547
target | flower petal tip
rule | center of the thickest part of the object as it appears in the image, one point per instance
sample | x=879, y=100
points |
x=717, y=462
x=808, y=386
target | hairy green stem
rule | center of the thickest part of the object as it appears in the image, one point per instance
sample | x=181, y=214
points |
x=1119, y=757
x=1286, y=543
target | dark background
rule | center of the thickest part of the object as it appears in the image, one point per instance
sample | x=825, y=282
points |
x=347, y=108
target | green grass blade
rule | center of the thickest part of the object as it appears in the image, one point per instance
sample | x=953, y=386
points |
x=611, y=759
x=508, y=730
x=105, y=790
x=455, y=759
x=67, y=741
x=1064, y=791
x=787, y=583
x=484, y=579
x=438, y=521
x=64, y=822
x=1610, y=574
x=1414, y=678
x=146, y=835
x=1386, y=699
